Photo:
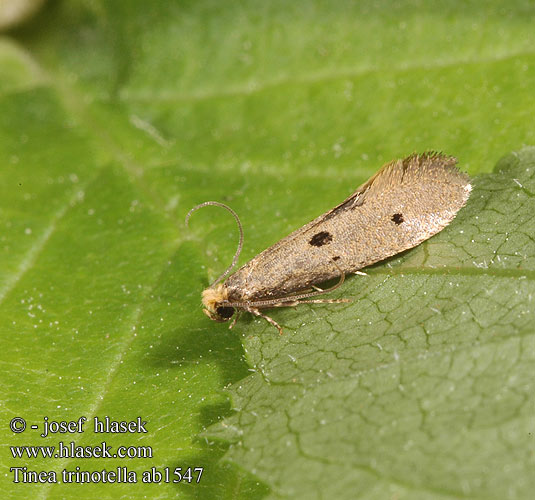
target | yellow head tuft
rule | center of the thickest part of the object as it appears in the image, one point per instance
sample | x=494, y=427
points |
x=212, y=299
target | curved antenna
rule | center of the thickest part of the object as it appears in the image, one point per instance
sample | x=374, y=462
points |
x=240, y=244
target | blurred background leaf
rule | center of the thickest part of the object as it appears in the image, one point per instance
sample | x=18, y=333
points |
x=117, y=117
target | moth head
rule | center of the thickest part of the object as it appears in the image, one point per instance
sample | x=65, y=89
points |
x=213, y=300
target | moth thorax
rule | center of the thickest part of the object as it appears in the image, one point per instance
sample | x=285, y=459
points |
x=213, y=300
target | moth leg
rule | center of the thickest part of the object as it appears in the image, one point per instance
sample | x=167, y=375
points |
x=294, y=303
x=325, y=301
x=236, y=317
x=291, y=300
x=321, y=290
x=271, y=321
x=286, y=303
x=296, y=299
x=317, y=290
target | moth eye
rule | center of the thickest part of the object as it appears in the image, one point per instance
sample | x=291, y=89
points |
x=225, y=312
x=397, y=218
x=320, y=239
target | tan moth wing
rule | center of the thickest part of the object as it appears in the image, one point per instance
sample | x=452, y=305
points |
x=403, y=204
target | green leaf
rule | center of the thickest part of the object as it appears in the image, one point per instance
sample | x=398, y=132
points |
x=117, y=117
x=421, y=388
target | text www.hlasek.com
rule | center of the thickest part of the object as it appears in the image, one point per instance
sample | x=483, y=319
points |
x=71, y=450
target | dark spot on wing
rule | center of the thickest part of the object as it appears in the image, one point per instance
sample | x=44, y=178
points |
x=397, y=218
x=336, y=258
x=320, y=239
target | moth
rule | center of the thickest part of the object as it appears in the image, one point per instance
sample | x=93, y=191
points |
x=405, y=203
